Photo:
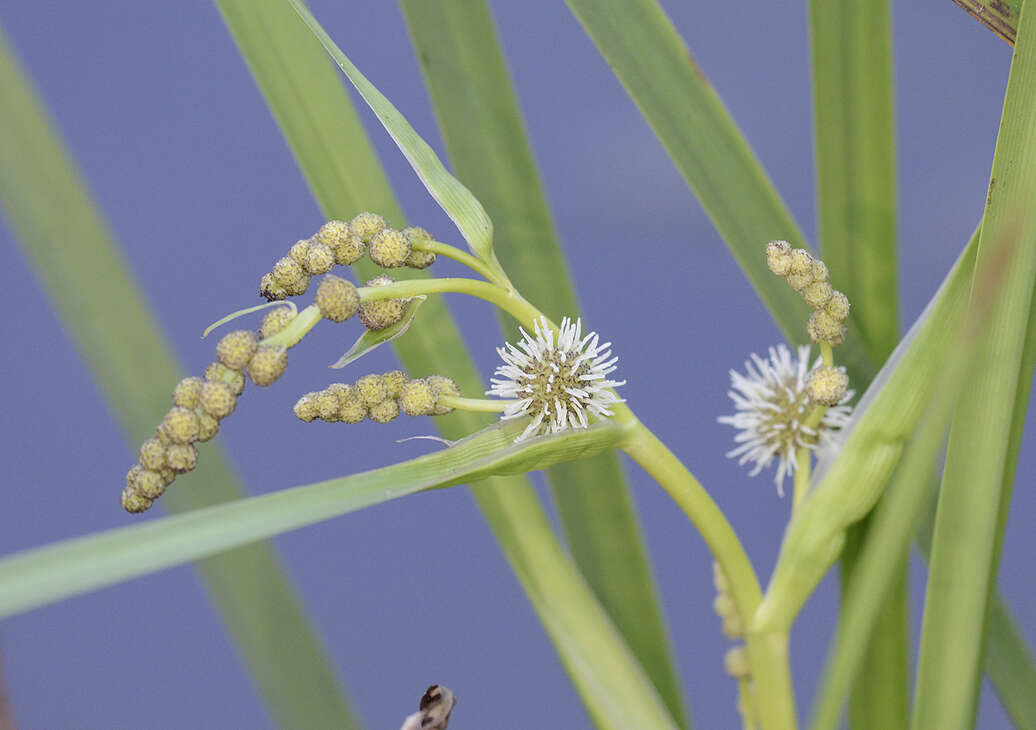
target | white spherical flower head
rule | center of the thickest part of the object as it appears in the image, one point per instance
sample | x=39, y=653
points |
x=772, y=406
x=558, y=381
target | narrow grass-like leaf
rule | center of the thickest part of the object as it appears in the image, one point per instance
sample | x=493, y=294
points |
x=1000, y=16
x=114, y=328
x=459, y=204
x=974, y=494
x=371, y=339
x=44, y=575
x=336, y=158
x=658, y=72
x=854, y=130
x=474, y=100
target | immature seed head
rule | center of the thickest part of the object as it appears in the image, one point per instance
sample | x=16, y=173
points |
x=237, y=348
x=778, y=257
x=182, y=457
x=371, y=390
x=378, y=314
x=219, y=372
x=217, y=399
x=819, y=270
x=299, y=251
x=150, y=484
x=286, y=272
x=133, y=502
x=365, y=225
x=180, y=426
x=733, y=627
x=276, y=319
x=558, y=381
x=394, y=382
x=346, y=245
x=822, y=327
x=298, y=287
x=838, y=306
x=353, y=411
x=327, y=406
x=306, y=407
x=724, y=605
x=152, y=454
x=320, y=258
x=826, y=385
x=385, y=411
x=418, y=259
x=208, y=426
x=736, y=662
x=799, y=282
x=417, y=398
x=817, y=294
x=337, y=298
x=168, y=475
x=801, y=262
x=442, y=386
x=389, y=248
x=187, y=392
x=270, y=289
x=267, y=364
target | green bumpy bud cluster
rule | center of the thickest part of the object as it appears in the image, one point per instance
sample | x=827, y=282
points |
x=724, y=606
x=276, y=320
x=379, y=314
x=827, y=385
x=267, y=364
x=237, y=348
x=340, y=243
x=809, y=277
x=380, y=398
x=337, y=298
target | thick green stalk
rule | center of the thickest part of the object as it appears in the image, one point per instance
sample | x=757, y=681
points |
x=483, y=131
x=114, y=328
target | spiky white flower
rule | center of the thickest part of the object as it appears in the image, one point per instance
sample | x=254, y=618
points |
x=771, y=409
x=558, y=381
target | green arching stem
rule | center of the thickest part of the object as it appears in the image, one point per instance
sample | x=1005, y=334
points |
x=744, y=693
x=481, y=405
x=802, y=468
x=297, y=329
x=463, y=257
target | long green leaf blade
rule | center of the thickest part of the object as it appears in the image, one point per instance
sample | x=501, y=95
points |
x=48, y=574
x=120, y=338
x=482, y=127
x=340, y=167
x=975, y=494
x=854, y=129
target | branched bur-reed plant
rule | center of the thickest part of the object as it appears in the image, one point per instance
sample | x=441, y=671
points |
x=557, y=393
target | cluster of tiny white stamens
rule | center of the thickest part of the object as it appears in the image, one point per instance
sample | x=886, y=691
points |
x=772, y=406
x=557, y=381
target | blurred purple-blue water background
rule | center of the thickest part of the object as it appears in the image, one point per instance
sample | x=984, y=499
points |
x=191, y=171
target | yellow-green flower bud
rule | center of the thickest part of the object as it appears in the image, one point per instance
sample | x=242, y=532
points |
x=385, y=411
x=371, y=390
x=822, y=327
x=132, y=475
x=270, y=289
x=297, y=287
x=152, y=454
x=418, y=259
x=724, y=606
x=736, y=662
x=365, y=225
x=389, y=248
x=320, y=258
x=327, y=406
x=237, y=348
x=819, y=270
x=817, y=294
x=353, y=412
x=134, y=503
x=719, y=578
x=801, y=262
x=217, y=399
x=778, y=257
x=341, y=391
x=306, y=407
x=187, y=392
x=208, y=426
x=838, y=306
x=220, y=373
x=267, y=364
x=276, y=319
x=733, y=627
x=150, y=483
x=299, y=251
x=377, y=314
x=180, y=426
x=394, y=382
x=286, y=272
x=799, y=282
x=337, y=298
x=417, y=398
x=826, y=385
x=346, y=245
x=168, y=475
x=182, y=457
x=442, y=386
